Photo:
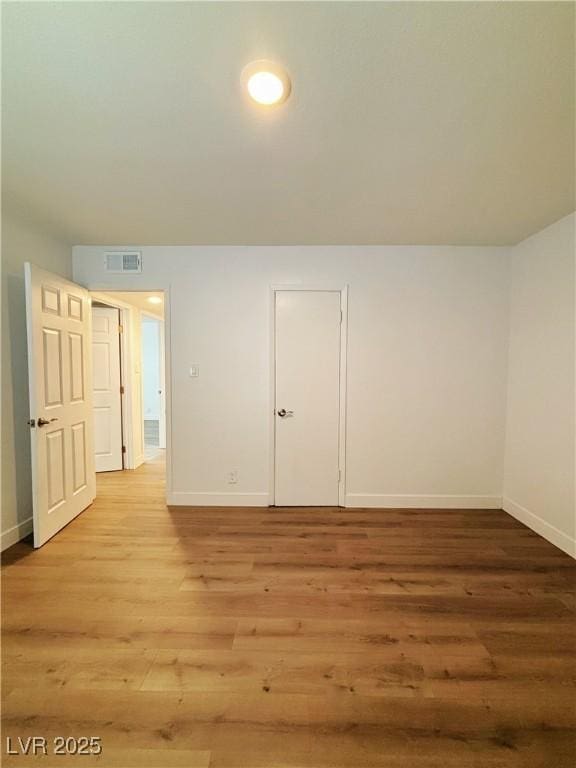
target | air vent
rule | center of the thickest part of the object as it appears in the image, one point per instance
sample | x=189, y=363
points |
x=123, y=261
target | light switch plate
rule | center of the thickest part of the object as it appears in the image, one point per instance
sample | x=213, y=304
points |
x=194, y=371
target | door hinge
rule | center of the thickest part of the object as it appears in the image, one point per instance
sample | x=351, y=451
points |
x=123, y=449
x=121, y=389
x=339, y=475
x=120, y=328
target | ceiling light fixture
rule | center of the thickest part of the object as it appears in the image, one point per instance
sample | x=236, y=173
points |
x=154, y=299
x=267, y=83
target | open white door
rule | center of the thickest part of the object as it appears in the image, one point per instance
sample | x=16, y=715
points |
x=162, y=390
x=59, y=371
x=106, y=389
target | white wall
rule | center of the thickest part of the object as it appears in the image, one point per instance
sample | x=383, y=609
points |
x=540, y=431
x=21, y=241
x=151, y=367
x=427, y=352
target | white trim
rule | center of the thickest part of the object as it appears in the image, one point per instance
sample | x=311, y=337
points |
x=434, y=501
x=216, y=499
x=539, y=525
x=343, y=291
x=15, y=534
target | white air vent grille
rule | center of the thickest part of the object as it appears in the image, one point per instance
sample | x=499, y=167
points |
x=123, y=261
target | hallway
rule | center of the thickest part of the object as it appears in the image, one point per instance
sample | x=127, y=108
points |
x=309, y=638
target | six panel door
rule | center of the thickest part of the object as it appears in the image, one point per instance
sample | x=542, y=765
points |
x=58, y=323
x=106, y=389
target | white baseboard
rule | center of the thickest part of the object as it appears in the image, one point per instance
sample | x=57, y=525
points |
x=14, y=534
x=536, y=523
x=404, y=501
x=216, y=499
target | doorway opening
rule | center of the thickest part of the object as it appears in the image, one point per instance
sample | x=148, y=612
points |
x=85, y=374
x=153, y=386
x=128, y=378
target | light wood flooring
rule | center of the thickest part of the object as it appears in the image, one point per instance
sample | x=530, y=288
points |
x=290, y=638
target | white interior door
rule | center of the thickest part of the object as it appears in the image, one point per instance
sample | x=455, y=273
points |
x=307, y=402
x=106, y=389
x=59, y=370
x=162, y=390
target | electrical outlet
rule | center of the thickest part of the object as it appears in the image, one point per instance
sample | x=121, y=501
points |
x=233, y=477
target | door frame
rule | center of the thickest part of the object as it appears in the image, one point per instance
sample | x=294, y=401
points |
x=342, y=289
x=162, y=366
x=98, y=289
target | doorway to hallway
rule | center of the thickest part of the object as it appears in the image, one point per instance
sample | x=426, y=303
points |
x=128, y=379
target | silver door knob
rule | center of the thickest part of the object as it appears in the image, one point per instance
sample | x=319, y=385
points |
x=283, y=413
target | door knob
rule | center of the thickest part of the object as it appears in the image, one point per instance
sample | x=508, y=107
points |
x=42, y=422
x=283, y=413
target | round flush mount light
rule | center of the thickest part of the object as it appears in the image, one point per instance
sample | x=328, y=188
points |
x=154, y=299
x=266, y=83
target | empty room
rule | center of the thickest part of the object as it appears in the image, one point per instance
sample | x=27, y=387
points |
x=288, y=384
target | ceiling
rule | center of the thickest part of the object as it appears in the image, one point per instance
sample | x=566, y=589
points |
x=438, y=123
x=137, y=299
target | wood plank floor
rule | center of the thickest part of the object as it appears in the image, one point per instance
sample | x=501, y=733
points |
x=290, y=638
